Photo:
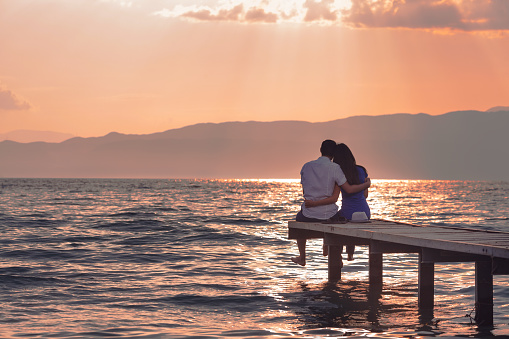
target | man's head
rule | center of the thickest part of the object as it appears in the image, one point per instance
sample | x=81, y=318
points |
x=328, y=147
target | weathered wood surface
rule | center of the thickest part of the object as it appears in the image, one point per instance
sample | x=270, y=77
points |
x=473, y=241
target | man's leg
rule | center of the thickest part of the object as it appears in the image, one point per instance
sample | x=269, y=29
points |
x=301, y=243
x=301, y=259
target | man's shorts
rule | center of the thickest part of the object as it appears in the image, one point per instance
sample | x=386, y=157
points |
x=301, y=217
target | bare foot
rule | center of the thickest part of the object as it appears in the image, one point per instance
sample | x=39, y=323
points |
x=299, y=261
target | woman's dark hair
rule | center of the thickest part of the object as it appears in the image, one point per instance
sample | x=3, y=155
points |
x=345, y=159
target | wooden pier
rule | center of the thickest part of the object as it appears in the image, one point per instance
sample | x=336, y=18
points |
x=488, y=249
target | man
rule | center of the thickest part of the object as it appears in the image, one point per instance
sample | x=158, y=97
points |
x=318, y=178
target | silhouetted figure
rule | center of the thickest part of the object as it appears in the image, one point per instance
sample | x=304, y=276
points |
x=354, y=206
x=318, y=179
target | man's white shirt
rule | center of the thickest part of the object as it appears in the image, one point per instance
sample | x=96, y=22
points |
x=318, y=178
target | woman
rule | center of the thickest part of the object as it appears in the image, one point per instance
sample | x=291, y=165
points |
x=350, y=203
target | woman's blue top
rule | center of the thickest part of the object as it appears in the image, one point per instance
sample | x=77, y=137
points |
x=355, y=202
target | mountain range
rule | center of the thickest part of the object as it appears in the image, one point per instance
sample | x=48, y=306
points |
x=26, y=136
x=460, y=145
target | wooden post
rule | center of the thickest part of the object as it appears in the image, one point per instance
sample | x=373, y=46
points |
x=426, y=284
x=375, y=268
x=483, y=293
x=335, y=262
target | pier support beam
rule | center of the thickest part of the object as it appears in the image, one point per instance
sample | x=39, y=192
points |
x=375, y=268
x=483, y=293
x=335, y=262
x=375, y=273
x=426, y=284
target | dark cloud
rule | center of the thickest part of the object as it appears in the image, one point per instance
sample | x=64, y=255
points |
x=466, y=15
x=10, y=102
x=497, y=15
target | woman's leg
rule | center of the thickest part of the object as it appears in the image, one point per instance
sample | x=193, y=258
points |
x=350, y=249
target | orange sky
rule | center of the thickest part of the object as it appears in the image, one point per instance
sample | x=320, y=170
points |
x=91, y=67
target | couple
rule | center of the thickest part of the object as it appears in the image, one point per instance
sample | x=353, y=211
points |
x=322, y=180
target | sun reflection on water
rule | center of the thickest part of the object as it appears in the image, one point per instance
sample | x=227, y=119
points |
x=436, y=201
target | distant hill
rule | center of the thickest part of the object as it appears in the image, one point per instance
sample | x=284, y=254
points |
x=34, y=136
x=498, y=109
x=463, y=145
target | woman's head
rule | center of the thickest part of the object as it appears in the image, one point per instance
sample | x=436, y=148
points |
x=343, y=156
x=344, y=153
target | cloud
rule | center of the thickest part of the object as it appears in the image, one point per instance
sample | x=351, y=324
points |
x=205, y=14
x=320, y=10
x=437, y=15
x=236, y=13
x=462, y=15
x=397, y=13
x=11, y=102
x=264, y=12
x=495, y=14
x=260, y=15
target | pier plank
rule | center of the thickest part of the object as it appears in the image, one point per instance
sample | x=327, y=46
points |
x=471, y=241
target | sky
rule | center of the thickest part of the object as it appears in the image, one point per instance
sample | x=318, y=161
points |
x=90, y=67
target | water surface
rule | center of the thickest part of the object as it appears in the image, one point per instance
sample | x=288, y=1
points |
x=210, y=259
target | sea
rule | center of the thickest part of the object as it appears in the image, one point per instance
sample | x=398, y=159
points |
x=134, y=258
